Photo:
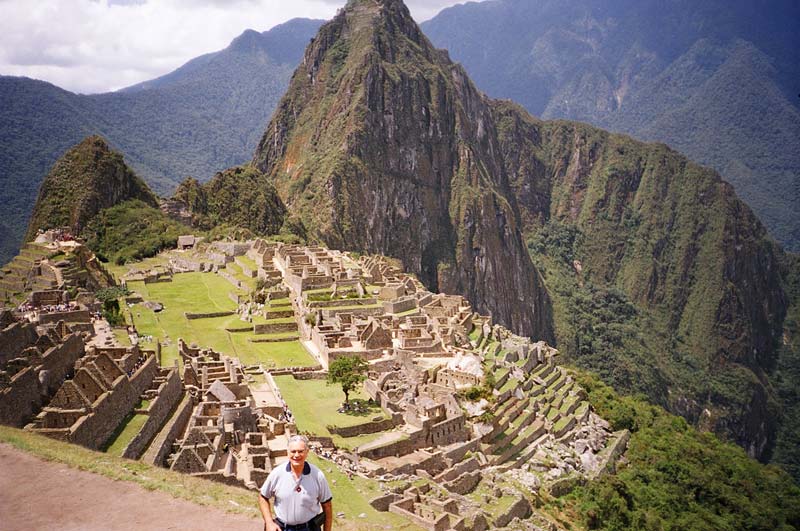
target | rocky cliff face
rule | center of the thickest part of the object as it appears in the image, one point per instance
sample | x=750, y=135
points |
x=675, y=238
x=85, y=180
x=383, y=145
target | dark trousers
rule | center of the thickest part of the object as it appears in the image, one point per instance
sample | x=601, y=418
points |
x=308, y=526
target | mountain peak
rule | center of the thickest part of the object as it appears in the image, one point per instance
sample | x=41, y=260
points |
x=382, y=145
x=86, y=179
x=248, y=41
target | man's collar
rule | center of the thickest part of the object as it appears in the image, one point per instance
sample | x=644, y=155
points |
x=306, y=468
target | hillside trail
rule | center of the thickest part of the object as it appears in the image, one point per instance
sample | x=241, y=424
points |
x=37, y=494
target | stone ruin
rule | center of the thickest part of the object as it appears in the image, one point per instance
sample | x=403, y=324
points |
x=226, y=438
x=88, y=407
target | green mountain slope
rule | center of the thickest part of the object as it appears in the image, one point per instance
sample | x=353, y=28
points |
x=205, y=116
x=717, y=80
x=663, y=281
x=240, y=196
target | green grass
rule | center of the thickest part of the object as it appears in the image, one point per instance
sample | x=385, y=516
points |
x=132, y=425
x=122, y=337
x=314, y=404
x=251, y=264
x=280, y=320
x=351, y=443
x=276, y=335
x=155, y=261
x=235, y=270
x=271, y=310
x=204, y=293
x=563, y=421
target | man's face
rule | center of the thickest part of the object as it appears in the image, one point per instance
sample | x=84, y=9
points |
x=298, y=453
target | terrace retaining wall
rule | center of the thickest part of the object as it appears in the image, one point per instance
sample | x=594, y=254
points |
x=161, y=446
x=169, y=393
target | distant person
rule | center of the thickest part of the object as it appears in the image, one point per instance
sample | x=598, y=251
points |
x=301, y=492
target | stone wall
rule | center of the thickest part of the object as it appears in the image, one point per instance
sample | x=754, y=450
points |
x=16, y=338
x=270, y=328
x=60, y=361
x=519, y=509
x=169, y=394
x=382, y=503
x=74, y=316
x=458, y=453
x=21, y=399
x=613, y=452
x=400, y=305
x=465, y=483
x=210, y=315
x=29, y=388
x=362, y=429
x=161, y=446
x=45, y=297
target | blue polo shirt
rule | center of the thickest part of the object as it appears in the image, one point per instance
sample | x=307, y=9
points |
x=295, y=506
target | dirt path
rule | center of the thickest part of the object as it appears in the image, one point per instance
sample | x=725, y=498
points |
x=36, y=494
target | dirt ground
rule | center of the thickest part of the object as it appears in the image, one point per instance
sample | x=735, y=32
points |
x=36, y=494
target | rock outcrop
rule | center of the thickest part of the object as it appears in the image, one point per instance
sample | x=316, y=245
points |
x=383, y=145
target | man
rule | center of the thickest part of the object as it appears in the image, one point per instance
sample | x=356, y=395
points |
x=301, y=492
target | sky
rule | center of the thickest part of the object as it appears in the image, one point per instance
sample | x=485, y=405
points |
x=91, y=46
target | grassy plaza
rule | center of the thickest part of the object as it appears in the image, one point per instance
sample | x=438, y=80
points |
x=314, y=416
x=207, y=293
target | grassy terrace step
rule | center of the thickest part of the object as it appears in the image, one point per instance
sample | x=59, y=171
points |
x=500, y=376
x=247, y=262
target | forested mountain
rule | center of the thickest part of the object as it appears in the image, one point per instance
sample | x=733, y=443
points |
x=716, y=80
x=206, y=116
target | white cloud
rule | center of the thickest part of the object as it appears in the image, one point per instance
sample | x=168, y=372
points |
x=93, y=46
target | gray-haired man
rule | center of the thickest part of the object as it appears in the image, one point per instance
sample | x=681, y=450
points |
x=301, y=492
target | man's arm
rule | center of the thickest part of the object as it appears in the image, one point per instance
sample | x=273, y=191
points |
x=327, y=508
x=266, y=513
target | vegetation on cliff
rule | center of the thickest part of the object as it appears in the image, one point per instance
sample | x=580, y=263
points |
x=662, y=280
x=675, y=477
x=85, y=180
x=93, y=192
x=240, y=196
x=130, y=231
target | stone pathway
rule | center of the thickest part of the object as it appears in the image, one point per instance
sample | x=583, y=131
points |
x=37, y=494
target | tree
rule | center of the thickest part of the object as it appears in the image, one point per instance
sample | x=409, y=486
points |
x=348, y=371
